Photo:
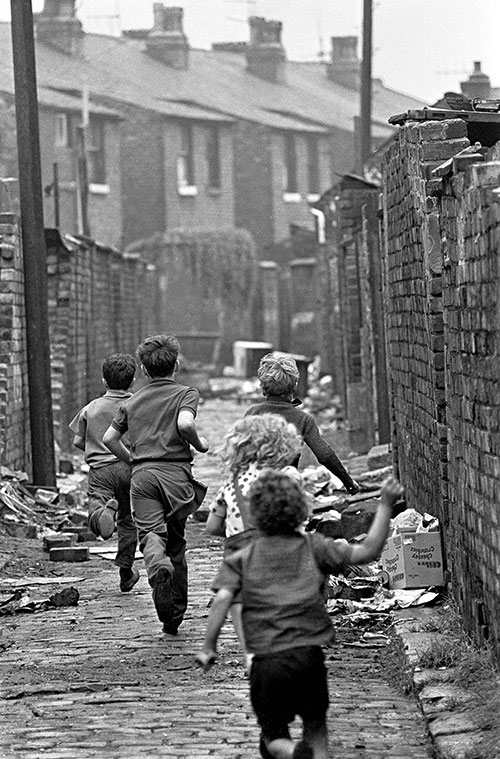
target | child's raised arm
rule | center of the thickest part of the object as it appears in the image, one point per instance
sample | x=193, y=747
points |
x=371, y=547
x=218, y=613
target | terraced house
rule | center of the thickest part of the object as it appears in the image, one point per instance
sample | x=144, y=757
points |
x=234, y=136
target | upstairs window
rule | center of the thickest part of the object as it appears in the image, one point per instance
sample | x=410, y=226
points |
x=313, y=165
x=95, y=151
x=213, y=158
x=185, y=162
x=62, y=130
x=290, y=164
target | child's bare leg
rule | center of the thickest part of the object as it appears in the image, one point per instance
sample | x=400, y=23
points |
x=238, y=628
x=316, y=736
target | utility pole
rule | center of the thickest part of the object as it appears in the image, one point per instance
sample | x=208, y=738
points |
x=34, y=251
x=366, y=87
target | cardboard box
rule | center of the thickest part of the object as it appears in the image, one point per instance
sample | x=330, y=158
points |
x=413, y=560
x=247, y=355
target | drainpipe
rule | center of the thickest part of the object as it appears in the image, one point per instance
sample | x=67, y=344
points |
x=320, y=225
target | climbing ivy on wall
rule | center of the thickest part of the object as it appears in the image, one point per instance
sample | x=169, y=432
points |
x=207, y=279
x=222, y=262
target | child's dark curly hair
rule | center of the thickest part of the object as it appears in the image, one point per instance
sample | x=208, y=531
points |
x=277, y=503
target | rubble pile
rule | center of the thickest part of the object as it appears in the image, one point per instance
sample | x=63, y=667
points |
x=28, y=511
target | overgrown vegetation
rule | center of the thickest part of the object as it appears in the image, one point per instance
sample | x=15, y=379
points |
x=207, y=282
x=467, y=666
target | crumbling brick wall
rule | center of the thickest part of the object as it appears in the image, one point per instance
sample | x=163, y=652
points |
x=99, y=302
x=470, y=221
x=14, y=410
x=358, y=266
x=414, y=312
x=441, y=242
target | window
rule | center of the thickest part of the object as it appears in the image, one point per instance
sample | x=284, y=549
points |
x=62, y=130
x=290, y=164
x=185, y=167
x=95, y=151
x=213, y=157
x=313, y=164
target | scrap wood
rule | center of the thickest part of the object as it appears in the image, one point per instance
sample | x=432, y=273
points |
x=24, y=582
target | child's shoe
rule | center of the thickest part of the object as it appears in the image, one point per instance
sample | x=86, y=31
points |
x=170, y=629
x=107, y=518
x=162, y=595
x=128, y=578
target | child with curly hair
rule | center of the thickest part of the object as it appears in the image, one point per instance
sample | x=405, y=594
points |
x=279, y=376
x=254, y=443
x=280, y=576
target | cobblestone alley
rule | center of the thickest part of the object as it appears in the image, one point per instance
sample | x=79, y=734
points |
x=101, y=680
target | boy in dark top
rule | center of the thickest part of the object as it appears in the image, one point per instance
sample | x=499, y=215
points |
x=160, y=422
x=279, y=377
x=109, y=478
x=280, y=576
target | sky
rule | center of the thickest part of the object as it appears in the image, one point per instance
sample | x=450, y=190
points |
x=420, y=47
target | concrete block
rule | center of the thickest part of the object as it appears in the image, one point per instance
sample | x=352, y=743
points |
x=59, y=540
x=379, y=457
x=73, y=554
x=82, y=532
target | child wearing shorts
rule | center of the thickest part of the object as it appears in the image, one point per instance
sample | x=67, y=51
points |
x=109, y=478
x=280, y=575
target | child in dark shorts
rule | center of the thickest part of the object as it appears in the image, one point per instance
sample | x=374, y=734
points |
x=109, y=478
x=159, y=420
x=281, y=576
x=279, y=376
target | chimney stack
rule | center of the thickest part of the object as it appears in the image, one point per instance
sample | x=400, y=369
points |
x=345, y=66
x=266, y=57
x=166, y=41
x=58, y=26
x=478, y=84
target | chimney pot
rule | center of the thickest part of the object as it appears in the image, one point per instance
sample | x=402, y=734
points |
x=478, y=84
x=58, y=26
x=265, y=54
x=345, y=66
x=166, y=40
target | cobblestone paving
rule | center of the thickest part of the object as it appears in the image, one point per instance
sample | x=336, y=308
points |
x=101, y=680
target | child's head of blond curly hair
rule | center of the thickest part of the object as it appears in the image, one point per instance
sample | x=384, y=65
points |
x=267, y=440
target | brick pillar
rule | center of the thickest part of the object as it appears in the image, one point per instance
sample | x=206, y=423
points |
x=15, y=450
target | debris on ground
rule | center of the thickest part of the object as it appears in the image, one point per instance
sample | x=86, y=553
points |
x=20, y=602
x=27, y=511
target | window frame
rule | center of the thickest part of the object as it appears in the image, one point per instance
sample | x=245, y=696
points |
x=214, y=158
x=62, y=130
x=96, y=151
x=290, y=156
x=185, y=160
x=313, y=165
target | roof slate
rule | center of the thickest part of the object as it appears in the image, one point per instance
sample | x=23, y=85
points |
x=216, y=87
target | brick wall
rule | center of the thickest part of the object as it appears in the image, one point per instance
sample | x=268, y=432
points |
x=359, y=327
x=414, y=308
x=442, y=238
x=99, y=301
x=470, y=212
x=14, y=411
